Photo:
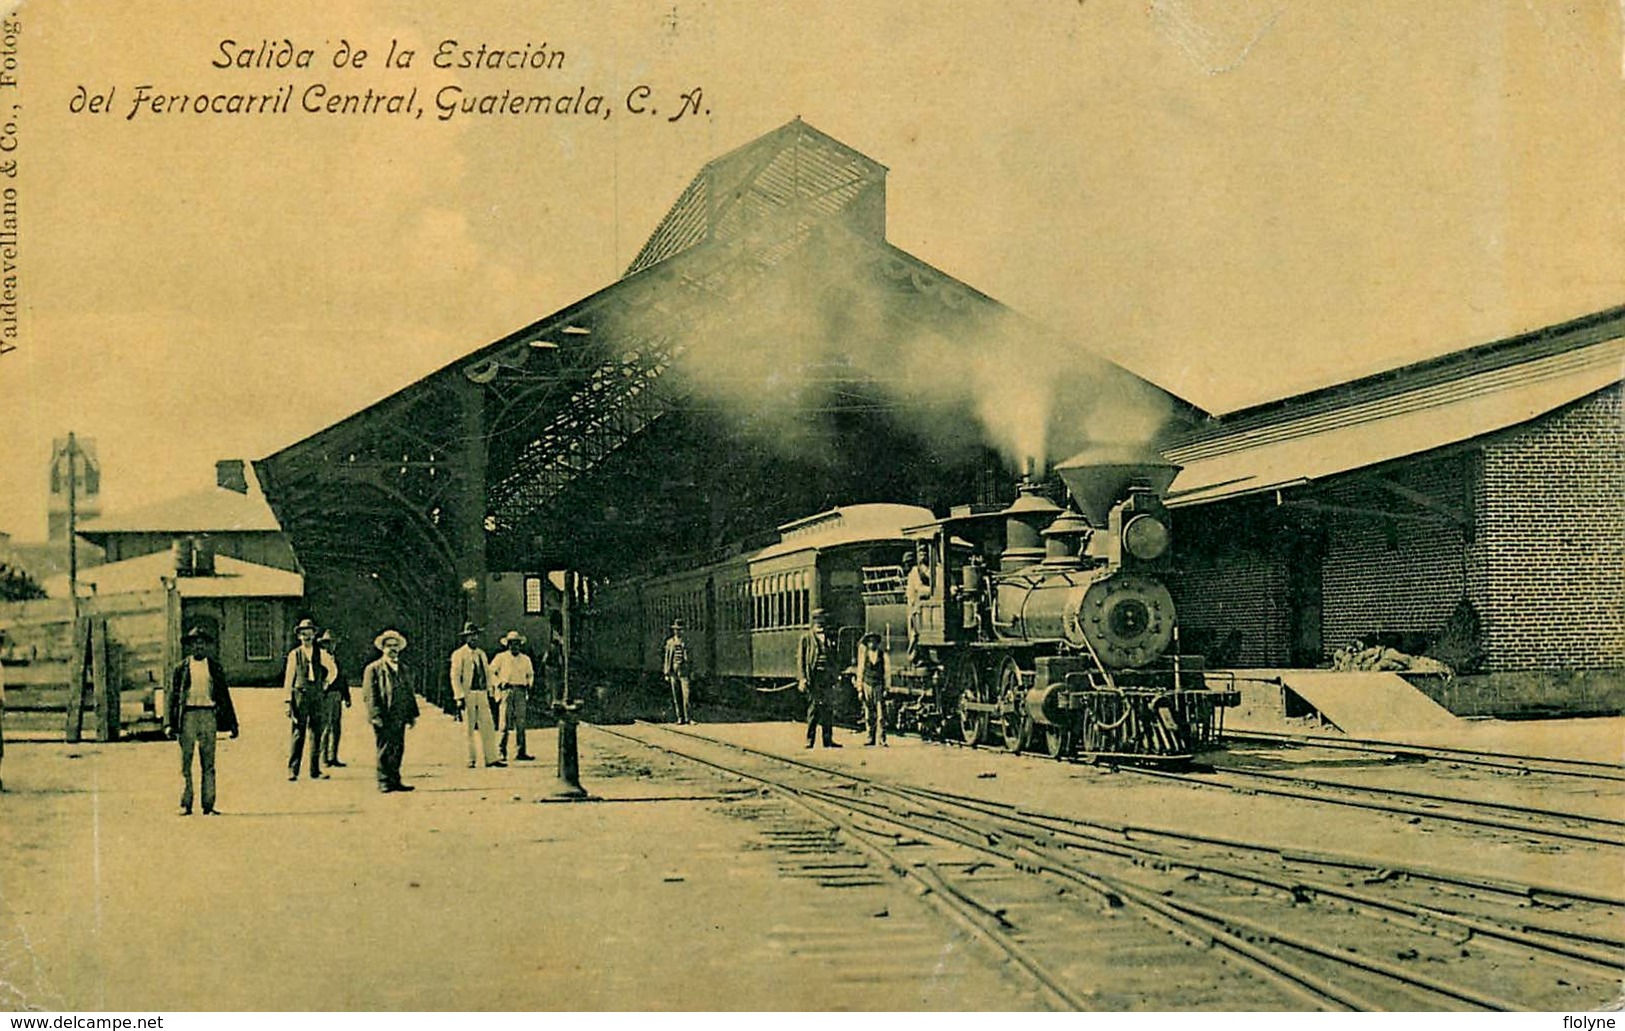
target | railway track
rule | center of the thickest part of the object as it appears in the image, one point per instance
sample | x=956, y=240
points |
x=1540, y=821
x=1524, y=764
x=1254, y=936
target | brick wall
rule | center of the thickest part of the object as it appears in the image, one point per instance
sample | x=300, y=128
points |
x=1548, y=559
x=1242, y=590
x=1400, y=576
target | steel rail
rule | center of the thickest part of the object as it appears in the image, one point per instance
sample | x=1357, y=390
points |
x=1420, y=913
x=1553, y=765
x=1227, y=925
x=1426, y=796
x=1303, y=984
x=950, y=904
x=1521, y=937
x=1394, y=808
x=1455, y=878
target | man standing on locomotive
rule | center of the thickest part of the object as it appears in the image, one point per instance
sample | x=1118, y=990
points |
x=817, y=668
x=871, y=682
x=916, y=590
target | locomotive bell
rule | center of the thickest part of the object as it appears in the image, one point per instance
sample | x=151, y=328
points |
x=1100, y=476
x=1024, y=523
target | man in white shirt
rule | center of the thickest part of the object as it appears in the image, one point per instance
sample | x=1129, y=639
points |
x=471, y=687
x=198, y=707
x=513, y=674
x=305, y=678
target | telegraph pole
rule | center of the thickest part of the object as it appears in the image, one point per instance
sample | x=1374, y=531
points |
x=73, y=528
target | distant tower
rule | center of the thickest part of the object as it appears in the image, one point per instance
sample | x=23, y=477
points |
x=88, y=502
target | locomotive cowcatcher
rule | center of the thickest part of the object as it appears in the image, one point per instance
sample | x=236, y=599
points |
x=1049, y=627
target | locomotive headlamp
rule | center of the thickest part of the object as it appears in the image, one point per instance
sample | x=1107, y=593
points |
x=1145, y=537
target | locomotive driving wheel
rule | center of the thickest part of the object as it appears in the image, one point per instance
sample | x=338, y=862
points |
x=1018, y=729
x=966, y=682
x=1056, y=743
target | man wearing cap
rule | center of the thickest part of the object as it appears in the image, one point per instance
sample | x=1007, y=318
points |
x=470, y=685
x=198, y=707
x=513, y=674
x=305, y=678
x=334, y=701
x=817, y=667
x=391, y=708
x=675, y=668
x=871, y=682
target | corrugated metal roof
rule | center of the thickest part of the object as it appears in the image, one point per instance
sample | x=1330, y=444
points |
x=1322, y=440
x=211, y=511
x=233, y=578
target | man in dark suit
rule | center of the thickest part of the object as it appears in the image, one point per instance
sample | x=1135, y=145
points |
x=817, y=668
x=391, y=707
x=198, y=707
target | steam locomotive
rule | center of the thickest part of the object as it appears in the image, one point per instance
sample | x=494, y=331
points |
x=1049, y=628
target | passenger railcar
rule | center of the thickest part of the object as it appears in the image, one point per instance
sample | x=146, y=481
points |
x=744, y=614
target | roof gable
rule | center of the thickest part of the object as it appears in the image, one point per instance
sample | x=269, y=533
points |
x=794, y=172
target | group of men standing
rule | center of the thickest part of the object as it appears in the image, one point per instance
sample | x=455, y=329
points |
x=199, y=705
x=478, y=681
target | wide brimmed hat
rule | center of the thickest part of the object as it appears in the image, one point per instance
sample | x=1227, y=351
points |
x=819, y=615
x=305, y=624
x=512, y=636
x=388, y=635
x=677, y=624
x=326, y=637
x=870, y=636
x=470, y=630
x=197, y=633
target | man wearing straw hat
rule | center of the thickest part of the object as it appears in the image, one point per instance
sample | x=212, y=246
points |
x=513, y=674
x=305, y=678
x=198, y=707
x=391, y=708
x=471, y=686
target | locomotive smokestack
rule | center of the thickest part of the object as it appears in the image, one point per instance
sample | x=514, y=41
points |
x=1100, y=476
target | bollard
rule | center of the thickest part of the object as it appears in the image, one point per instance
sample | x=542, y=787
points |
x=569, y=771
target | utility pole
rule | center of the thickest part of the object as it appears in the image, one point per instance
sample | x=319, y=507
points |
x=73, y=529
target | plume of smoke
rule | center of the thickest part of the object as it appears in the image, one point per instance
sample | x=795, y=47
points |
x=823, y=333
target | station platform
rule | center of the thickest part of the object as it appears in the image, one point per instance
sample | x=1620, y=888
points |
x=1384, y=707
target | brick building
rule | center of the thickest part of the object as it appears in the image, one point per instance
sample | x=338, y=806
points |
x=1471, y=506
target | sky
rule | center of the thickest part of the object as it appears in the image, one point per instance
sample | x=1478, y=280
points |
x=1238, y=199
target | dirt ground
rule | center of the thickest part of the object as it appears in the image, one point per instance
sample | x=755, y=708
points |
x=471, y=894
x=466, y=894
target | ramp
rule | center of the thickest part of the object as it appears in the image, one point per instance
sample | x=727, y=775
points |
x=1367, y=704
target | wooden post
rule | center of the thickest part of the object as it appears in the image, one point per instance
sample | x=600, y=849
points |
x=106, y=710
x=74, y=698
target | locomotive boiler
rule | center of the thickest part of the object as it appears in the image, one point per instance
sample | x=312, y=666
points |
x=1048, y=627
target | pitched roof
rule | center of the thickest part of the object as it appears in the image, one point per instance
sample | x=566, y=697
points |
x=209, y=511
x=1398, y=413
x=233, y=578
x=795, y=171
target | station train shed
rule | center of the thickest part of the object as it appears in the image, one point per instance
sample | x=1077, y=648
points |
x=1472, y=502
x=743, y=372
